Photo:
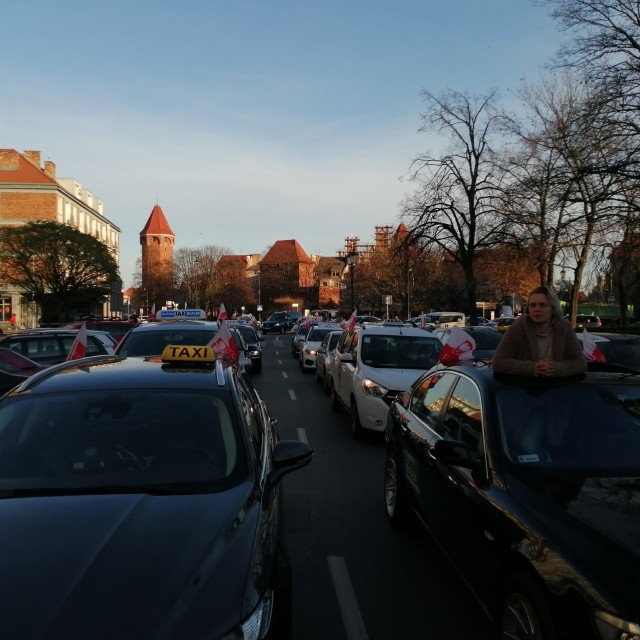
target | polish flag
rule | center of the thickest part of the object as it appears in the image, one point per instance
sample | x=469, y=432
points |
x=591, y=349
x=224, y=346
x=423, y=322
x=152, y=313
x=352, y=320
x=79, y=346
x=458, y=347
x=222, y=314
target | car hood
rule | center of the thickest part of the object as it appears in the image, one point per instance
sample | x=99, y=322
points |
x=596, y=528
x=392, y=379
x=125, y=566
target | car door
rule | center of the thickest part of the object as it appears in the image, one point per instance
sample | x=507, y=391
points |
x=345, y=368
x=454, y=498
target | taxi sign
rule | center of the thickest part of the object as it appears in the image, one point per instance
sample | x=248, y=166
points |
x=188, y=354
x=181, y=314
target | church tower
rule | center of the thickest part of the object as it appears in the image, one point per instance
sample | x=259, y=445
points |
x=157, y=240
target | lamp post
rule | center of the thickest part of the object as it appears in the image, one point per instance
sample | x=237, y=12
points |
x=352, y=256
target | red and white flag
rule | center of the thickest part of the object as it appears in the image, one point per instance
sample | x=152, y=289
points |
x=224, y=346
x=152, y=313
x=79, y=346
x=458, y=347
x=591, y=349
x=423, y=322
x=222, y=314
x=352, y=320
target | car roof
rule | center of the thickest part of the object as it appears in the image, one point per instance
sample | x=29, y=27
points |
x=392, y=328
x=116, y=372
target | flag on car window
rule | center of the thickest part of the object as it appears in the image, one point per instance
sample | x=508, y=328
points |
x=222, y=314
x=591, y=349
x=79, y=346
x=459, y=346
x=423, y=323
x=224, y=346
x=352, y=320
x=152, y=313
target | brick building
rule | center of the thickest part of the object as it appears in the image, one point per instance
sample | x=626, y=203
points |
x=30, y=190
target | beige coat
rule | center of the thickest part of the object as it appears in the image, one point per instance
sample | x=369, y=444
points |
x=517, y=352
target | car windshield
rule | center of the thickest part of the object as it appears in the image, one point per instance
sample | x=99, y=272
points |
x=128, y=439
x=316, y=334
x=592, y=427
x=152, y=343
x=278, y=317
x=247, y=333
x=400, y=351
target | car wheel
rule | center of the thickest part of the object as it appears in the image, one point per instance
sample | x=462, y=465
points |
x=525, y=614
x=335, y=401
x=283, y=589
x=395, y=497
x=356, y=428
x=318, y=379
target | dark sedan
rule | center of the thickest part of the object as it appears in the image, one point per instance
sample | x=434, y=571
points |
x=139, y=499
x=15, y=368
x=253, y=341
x=531, y=489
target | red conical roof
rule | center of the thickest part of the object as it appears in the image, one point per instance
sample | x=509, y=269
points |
x=157, y=224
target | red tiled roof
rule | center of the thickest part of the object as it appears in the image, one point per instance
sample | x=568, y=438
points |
x=232, y=260
x=14, y=167
x=286, y=252
x=157, y=224
x=401, y=232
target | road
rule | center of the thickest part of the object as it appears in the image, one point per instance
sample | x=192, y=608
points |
x=355, y=576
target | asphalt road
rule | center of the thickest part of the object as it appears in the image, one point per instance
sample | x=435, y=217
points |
x=355, y=576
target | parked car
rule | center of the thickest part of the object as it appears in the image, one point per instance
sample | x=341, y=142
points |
x=617, y=348
x=502, y=324
x=151, y=339
x=254, y=342
x=530, y=488
x=117, y=328
x=299, y=334
x=309, y=346
x=486, y=339
x=280, y=322
x=373, y=364
x=445, y=319
x=587, y=321
x=15, y=368
x=324, y=359
x=51, y=346
x=140, y=500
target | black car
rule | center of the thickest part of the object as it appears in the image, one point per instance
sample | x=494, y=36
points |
x=280, y=322
x=254, y=344
x=150, y=339
x=139, y=498
x=531, y=488
x=15, y=368
x=617, y=348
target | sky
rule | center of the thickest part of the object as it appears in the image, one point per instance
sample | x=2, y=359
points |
x=252, y=121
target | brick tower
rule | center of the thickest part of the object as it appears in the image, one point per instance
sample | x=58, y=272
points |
x=157, y=240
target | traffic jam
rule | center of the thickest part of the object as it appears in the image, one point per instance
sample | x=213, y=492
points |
x=145, y=483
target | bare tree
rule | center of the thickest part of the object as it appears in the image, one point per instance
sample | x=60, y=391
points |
x=455, y=205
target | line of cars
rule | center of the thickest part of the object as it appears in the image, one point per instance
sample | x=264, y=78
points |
x=151, y=478
x=530, y=488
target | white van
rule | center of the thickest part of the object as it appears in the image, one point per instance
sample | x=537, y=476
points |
x=445, y=319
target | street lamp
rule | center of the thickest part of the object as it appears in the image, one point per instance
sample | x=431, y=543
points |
x=351, y=261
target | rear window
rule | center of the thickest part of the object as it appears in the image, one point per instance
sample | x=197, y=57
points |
x=152, y=343
x=400, y=351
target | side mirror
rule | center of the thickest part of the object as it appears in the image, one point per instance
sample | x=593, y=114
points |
x=288, y=456
x=346, y=357
x=322, y=350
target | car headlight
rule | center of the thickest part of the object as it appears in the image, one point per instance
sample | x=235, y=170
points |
x=254, y=353
x=372, y=388
x=613, y=628
x=310, y=352
x=255, y=627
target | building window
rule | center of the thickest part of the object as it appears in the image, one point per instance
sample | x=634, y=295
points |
x=5, y=304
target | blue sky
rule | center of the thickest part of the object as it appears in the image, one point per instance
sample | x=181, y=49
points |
x=251, y=121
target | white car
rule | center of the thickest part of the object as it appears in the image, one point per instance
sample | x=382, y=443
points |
x=376, y=363
x=309, y=346
x=324, y=359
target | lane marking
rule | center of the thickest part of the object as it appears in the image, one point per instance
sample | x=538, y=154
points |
x=351, y=617
x=279, y=361
x=302, y=435
x=292, y=394
x=284, y=374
